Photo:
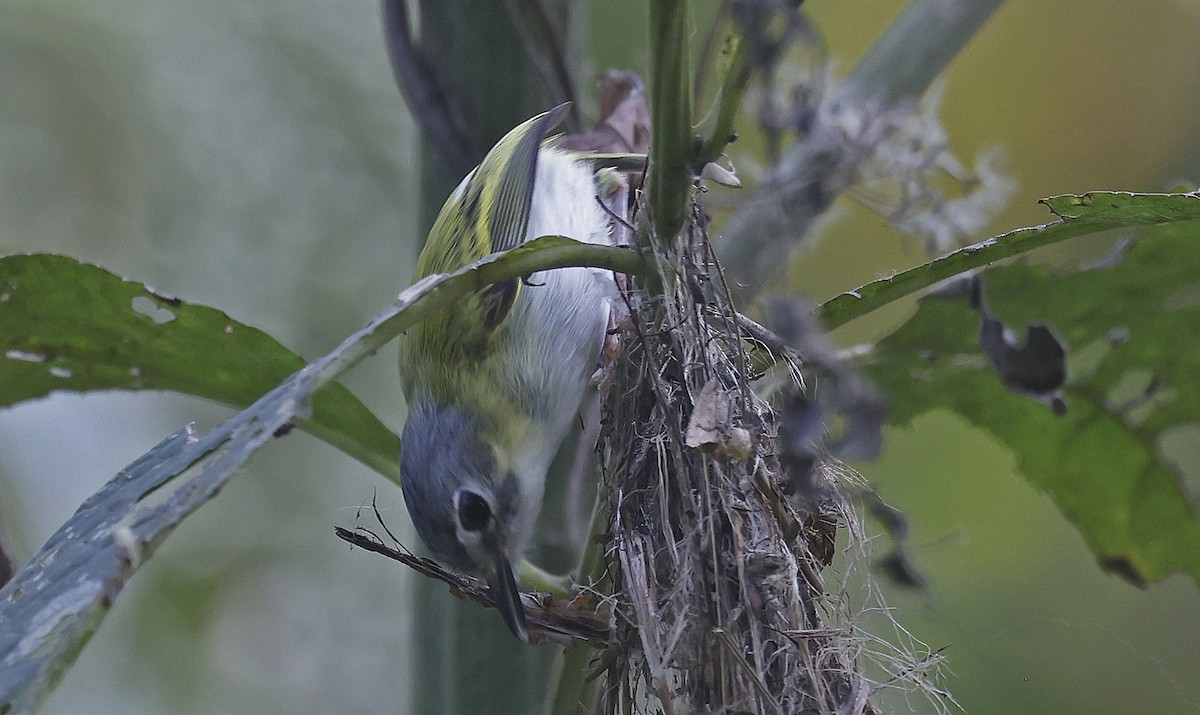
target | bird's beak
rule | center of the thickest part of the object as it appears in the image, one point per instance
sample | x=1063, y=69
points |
x=504, y=592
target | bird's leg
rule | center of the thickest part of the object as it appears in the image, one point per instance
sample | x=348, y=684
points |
x=531, y=578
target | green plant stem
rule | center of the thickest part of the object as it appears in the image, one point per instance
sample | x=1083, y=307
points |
x=572, y=691
x=1079, y=215
x=717, y=130
x=671, y=150
x=439, y=290
x=874, y=295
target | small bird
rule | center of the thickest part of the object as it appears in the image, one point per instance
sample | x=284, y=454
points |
x=495, y=381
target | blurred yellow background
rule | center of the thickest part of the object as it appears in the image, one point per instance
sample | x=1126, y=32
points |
x=256, y=157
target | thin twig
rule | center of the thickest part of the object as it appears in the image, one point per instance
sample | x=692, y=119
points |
x=550, y=620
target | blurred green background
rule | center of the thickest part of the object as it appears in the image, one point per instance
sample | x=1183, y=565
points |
x=257, y=157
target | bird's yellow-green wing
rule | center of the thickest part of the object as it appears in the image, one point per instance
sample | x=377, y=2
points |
x=488, y=213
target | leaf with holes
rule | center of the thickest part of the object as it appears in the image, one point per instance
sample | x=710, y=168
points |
x=1125, y=208
x=66, y=325
x=1114, y=463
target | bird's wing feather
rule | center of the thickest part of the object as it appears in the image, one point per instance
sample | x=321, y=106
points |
x=489, y=212
x=511, y=192
x=499, y=203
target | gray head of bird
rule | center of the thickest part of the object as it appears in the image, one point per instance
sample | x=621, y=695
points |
x=467, y=507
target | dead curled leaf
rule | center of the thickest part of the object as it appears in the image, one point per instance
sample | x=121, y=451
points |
x=624, y=125
x=711, y=427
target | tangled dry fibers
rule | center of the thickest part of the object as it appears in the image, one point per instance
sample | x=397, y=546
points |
x=715, y=565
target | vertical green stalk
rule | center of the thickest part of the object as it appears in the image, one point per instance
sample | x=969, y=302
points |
x=672, y=144
x=572, y=694
x=463, y=659
x=734, y=68
x=477, y=62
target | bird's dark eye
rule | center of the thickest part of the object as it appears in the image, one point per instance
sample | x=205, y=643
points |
x=473, y=511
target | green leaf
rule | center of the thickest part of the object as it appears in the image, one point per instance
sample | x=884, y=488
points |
x=66, y=325
x=1130, y=328
x=1126, y=208
x=1089, y=213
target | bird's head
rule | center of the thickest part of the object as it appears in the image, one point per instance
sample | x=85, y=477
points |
x=466, y=503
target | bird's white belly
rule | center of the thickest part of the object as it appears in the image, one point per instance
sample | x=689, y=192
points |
x=559, y=318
